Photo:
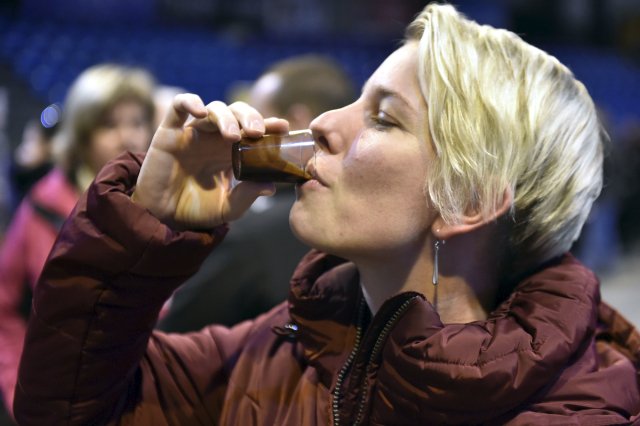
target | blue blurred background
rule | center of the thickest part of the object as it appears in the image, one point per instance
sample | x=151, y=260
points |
x=206, y=45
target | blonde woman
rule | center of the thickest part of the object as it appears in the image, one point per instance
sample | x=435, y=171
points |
x=109, y=109
x=439, y=289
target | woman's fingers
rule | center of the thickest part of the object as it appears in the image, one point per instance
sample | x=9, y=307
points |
x=193, y=145
x=229, y=119
x=249, y=118
x=252, y=122
x=219, y=119
x=276, y=125
x=182, y=106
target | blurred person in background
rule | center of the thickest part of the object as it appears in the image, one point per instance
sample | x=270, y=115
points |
x=5, y=150
x=32, y=157
x=301, y=88
x=250, y=273
x=108, y=109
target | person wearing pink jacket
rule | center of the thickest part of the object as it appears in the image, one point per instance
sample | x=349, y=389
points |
x=109, y=109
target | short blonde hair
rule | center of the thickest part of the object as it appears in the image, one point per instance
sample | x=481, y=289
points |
x=89, y=99
x=504, y=115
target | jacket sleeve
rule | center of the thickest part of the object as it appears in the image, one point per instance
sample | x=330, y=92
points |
x=90, y=353
x=12, y=285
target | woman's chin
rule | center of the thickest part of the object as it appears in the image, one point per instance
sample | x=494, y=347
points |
x=306, y=232
x=302, y=231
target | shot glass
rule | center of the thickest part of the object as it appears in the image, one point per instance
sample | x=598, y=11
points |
x=274, y=158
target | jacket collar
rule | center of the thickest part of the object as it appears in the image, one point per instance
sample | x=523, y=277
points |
x=325, y=295
x=323, y=303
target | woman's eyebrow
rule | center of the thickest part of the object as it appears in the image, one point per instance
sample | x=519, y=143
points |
x=400, y=103
x=381, y=92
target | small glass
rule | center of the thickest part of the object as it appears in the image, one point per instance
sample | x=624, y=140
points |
x=274, y=158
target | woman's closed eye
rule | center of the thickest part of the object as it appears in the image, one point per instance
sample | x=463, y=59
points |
x=382, y=121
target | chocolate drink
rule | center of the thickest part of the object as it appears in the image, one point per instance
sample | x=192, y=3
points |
x=274, y=158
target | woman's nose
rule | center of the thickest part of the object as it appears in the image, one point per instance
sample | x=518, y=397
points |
x=335, y=129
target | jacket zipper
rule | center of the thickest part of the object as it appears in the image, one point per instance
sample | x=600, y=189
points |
x=374, y=353
x=337, y=393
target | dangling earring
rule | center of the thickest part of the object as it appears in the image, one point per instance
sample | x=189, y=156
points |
x=436, y=248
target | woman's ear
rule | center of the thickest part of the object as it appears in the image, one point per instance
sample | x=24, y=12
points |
x=471, y=220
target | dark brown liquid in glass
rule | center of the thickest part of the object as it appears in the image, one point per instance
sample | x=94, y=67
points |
x=262, y=160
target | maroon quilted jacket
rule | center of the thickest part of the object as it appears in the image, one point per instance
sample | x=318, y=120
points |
x=552, y=353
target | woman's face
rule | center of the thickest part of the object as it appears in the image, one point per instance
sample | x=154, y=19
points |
x=125, y=128
x=368, y=196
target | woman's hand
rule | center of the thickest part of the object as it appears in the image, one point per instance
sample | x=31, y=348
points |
x=186, y=177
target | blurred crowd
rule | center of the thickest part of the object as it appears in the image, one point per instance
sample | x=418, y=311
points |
x=111, y=108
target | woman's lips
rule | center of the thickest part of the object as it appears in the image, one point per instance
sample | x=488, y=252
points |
x=311, y=169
